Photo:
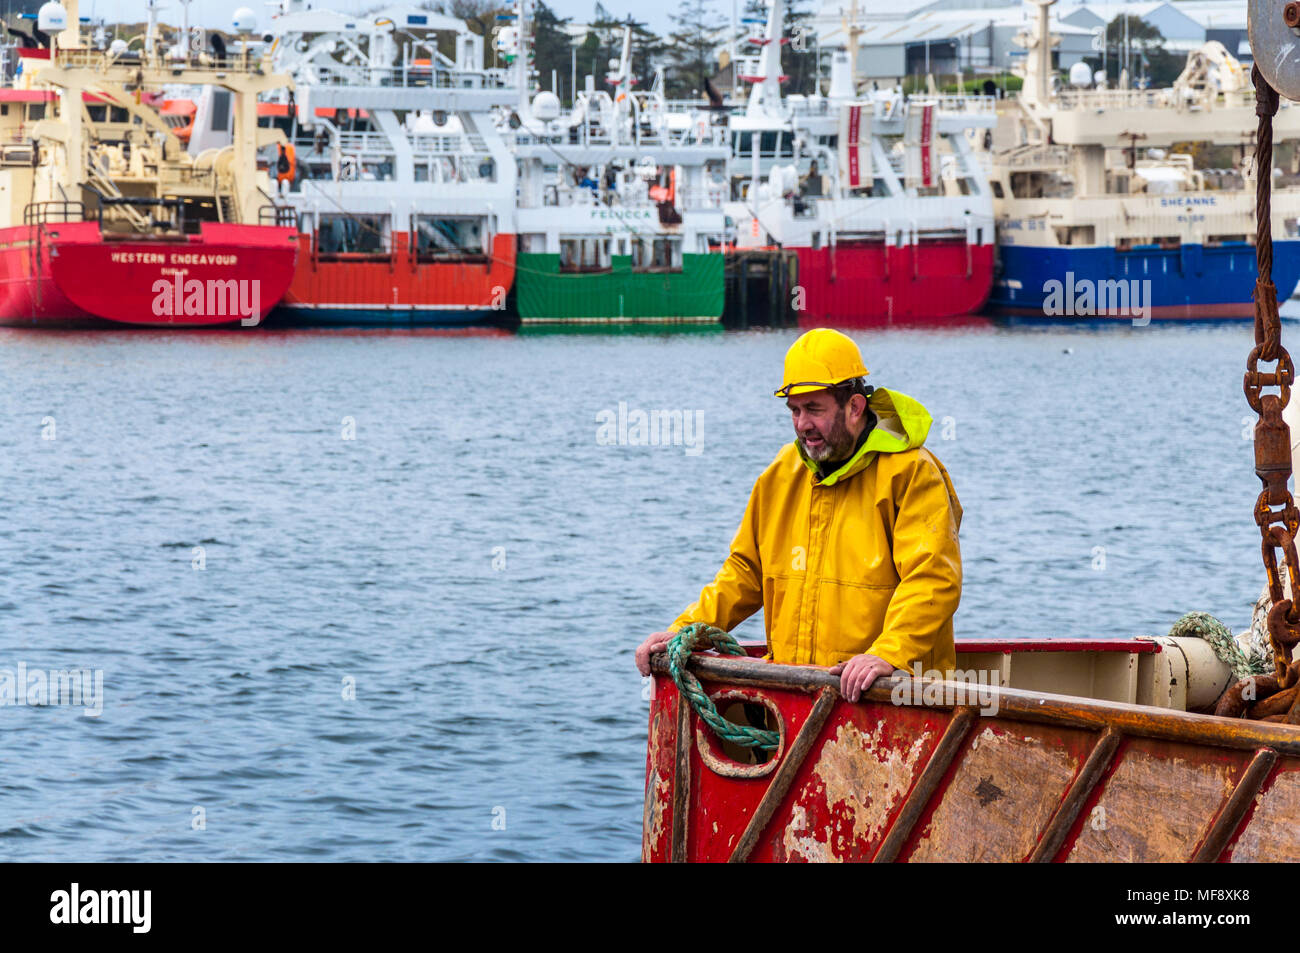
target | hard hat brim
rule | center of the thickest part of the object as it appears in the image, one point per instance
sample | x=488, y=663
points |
x=807, y=387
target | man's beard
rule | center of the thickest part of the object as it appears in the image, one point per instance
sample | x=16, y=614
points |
x=836, y=445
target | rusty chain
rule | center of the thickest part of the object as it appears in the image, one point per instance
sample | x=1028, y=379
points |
x=1273, y=697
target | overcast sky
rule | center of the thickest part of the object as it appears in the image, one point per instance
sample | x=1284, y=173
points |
x=217, y=13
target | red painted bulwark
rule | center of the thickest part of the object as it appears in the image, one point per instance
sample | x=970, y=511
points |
x=869, y=284
x=67, y=273
x=932, y=771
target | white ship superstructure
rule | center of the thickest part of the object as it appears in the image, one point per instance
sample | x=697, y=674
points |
x=1089, y=195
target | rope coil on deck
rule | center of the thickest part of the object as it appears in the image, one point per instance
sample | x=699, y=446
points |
x=1249, y=654
x=699, y=637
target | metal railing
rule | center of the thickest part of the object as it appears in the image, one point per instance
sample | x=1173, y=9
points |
x=274, y=214
x=1042, y=157
x=100, y=59
x=1184, y=99
x=57, y=212
x=408, y=77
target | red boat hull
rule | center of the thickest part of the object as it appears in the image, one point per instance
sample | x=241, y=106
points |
x=399, y=288
x=870, y=284
x=69, y=275
x=975, y=769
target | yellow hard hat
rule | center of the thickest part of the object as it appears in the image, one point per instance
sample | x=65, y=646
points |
x=818, y=359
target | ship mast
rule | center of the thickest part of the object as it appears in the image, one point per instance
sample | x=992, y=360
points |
x=1038, y=60
x=70, y=37
x=853, y=31
x=765, y=96
x=522, y=45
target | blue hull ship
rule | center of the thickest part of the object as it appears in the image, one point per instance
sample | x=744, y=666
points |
x=1142, y=282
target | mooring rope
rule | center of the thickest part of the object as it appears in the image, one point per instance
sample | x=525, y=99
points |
x=698, y=637
x=1251, y=656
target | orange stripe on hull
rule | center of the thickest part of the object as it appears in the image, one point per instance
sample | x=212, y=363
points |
x=398, y=280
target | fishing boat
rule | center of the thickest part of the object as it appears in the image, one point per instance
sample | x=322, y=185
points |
x=105, y=219
x=881, y=196
x=402, y=184
x=620, y=217
x=1049, y=750
x=1099, y=219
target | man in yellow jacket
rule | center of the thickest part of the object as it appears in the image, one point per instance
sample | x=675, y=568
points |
x=849, y=543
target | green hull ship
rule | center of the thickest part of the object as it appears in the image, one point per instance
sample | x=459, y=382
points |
x=693, y=295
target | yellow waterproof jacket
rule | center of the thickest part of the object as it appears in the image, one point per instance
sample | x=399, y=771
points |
x=866, y=560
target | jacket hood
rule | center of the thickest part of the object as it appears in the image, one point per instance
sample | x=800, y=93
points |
x=902, y=423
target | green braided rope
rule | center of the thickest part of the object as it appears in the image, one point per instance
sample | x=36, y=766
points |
x=1202, y=625
x=698, y=637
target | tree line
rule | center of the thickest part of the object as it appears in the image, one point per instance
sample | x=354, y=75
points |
x=688, y=53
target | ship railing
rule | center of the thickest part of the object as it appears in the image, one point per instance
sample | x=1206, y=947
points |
x=275, y=214
x=378, y=144
x=972, y=103
x=408, y=77
x=128, y=209
x=681, y=105
x=1037, y=156
x=57, y=212
x=701, y=198
x=184, y=175
x=1184, y=99
x=457, y=144
x=101, y=59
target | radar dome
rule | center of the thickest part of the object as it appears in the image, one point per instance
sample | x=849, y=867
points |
x=52, y=18
x=546, y=106
x=244, y=20
x=1081, y=74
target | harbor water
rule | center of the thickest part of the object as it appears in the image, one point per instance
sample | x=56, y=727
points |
x=374, y=595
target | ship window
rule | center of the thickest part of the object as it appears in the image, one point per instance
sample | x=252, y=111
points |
x=744, y=143
x=353, y=235
x=1076, y=234
x=584, y=255
x=449, y=237
x=97, y=113
x=36, y=111
x=118, y=114
x=1216, y=241
x=220, y=110
x=4, y=109
x=658, y=254
x=997, y=189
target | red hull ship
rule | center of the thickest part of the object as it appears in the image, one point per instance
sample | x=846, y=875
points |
x=399, y=287
x=404, y=187
x=106, y=219
x=874, y=285
x=71, y=275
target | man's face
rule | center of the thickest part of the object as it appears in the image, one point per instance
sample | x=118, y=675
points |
x=821, y=425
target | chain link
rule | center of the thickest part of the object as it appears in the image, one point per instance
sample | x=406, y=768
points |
x=1273, y=697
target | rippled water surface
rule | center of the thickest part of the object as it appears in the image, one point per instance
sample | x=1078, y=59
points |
x=480, y=567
